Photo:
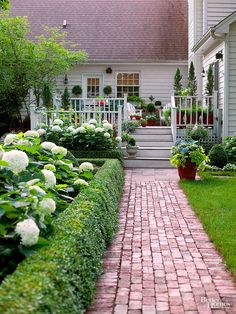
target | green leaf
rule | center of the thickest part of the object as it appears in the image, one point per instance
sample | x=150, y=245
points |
x=3, y=163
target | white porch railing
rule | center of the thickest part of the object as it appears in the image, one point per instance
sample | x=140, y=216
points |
x=81, y=110
x=187, y=111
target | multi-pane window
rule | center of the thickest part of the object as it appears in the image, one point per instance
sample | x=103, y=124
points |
x=127, y=83
x=92, y=87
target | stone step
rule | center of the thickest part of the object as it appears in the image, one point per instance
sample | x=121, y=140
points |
x=153, y=131
x=155, y=144
x=153, y=137
x=140, y=162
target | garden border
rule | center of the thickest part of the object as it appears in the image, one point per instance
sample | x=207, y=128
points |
x=62, y=277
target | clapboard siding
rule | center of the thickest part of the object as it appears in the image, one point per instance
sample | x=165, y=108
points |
x=156, y=80
x=195, y=27
x=218, y=10
x=232, y=81
x=209, y=58
x=199, y=19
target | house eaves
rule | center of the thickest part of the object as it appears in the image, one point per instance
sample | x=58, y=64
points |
x=215, y=33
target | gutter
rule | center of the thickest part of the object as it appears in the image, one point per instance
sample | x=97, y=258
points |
x=210, y=34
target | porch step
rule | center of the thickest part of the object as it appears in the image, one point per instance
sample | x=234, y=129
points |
x=152, y=152
x=155, y=143
x=156, y=130
x=144, y=162
x=153, y=137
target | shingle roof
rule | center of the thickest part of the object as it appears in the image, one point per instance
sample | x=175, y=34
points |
x=135, y=30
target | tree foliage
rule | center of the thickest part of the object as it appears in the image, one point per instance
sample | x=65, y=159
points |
x=177, y=82
x=192, y=81
x=4, y=4
x=65, y=99
x=210, y=81
x=30, y=64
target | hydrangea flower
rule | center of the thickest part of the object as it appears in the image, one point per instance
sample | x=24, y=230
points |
x=48, y=205
x=37, y=189
x=107, y=135
x=60, y=163
x=50, y=167
x=17, y=160
x=28, y=231
x=41, y=132
x=81, y=182
x=58, y=122
x=107, y=126
x=104, y=121
x=48, y=145
x=10, y=139
x=91, y=127
x=118, y=139
x=99, y=130
x=32, y=182
x=92, y=121
x=81, y=129
x=50, y=179
x=59, y=150
x=71, y=129
x=85, y=124
x=56, y=128
x=31, y=133
x=86, y=166
x=23, y=142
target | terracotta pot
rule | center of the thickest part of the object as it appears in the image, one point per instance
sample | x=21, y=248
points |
x=210, y=118
x=152, y=122
x=188, y=172
x=136, y=117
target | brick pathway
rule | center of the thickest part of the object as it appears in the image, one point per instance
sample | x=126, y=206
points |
x=161, y=260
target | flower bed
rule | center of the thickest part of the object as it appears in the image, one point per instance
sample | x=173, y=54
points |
x=62, y=277
x=37, y=181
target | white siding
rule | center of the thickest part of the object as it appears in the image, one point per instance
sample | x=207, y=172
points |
x=218, y=10
x=156, y=80
x=199, y=19
x=191, y=38
x=232, y=81
x=195, y=26
x=208, y=59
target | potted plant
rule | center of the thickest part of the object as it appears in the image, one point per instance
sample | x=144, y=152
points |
x=101, y=100
x=143, y=123
x=107, y=90
x=135, y=116
x=77, y=90
x=151, y=119
x=131, y=147
x=188, y=156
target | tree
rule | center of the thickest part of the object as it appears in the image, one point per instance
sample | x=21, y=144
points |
x=27, y=65
x=177, y=82
x=47, y=96
x=192, y=81
x=4, y=4
x=210, y=81
x=65, y=99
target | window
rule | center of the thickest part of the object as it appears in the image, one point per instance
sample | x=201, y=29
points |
x=127, y=83
x=92, y=87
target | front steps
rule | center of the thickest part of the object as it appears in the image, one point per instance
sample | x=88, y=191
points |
x=154, y=148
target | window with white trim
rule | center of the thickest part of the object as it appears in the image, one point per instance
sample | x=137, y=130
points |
x=93, y=85
x=127, y=83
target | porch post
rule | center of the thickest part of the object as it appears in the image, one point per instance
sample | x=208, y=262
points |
x=173, y=119
x=125, y=107
x=33, y=117
x=215, y=112
x=120, y=121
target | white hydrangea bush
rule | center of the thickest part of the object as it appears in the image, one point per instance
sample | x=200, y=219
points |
x=28, y=231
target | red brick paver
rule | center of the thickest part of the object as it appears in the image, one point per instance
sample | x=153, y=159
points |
x=161, y=261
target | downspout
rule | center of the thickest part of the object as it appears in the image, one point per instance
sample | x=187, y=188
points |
x=226, y=88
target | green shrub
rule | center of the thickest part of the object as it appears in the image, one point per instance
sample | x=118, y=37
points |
x=230, y=148
x=150, y=108
x=112, y=153
x=107, y=90
x=77, y=90
x=130, y=126
x=218, y=156
x=62, y=278
x=197, y=132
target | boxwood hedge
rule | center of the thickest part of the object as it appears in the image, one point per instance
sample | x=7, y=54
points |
x=111, y=153
x=62, y=277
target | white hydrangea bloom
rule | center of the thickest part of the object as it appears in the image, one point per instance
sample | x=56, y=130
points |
x=48, y=205
x=17, y=160
x=48, y=145
x=50, y=167
x=56, y=128
x=10, y=138
x=23, y=142
x=118, y=139
x=31, y=133
x=81, y=182
x=37, y=189
x=104, y=121
x=107, y=135
x=92, y=121
x=58, y=122
x=41, y=132
x=28, y=231
x=81, y=129
x=59, y=150
x=99, y=130
x=42, y=125
x=86, y=166
x=91, y=127
x=32, y=182
x=50, y=179
x=71, y=129
x=85, y=124
x=107, y=126
x=60, y=163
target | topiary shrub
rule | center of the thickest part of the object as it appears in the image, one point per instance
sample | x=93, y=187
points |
x=77, y=90
x=107, y=90
x=218, y=156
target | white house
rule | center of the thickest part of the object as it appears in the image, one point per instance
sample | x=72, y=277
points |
x=212, y=40
x=134, y=46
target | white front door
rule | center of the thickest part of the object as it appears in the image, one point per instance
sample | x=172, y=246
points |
x=92, y=86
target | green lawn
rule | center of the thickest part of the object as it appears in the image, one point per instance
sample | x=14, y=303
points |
x=214, y=201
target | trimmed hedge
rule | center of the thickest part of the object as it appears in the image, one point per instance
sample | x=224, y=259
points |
x=62, y=277
x=90, y=154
